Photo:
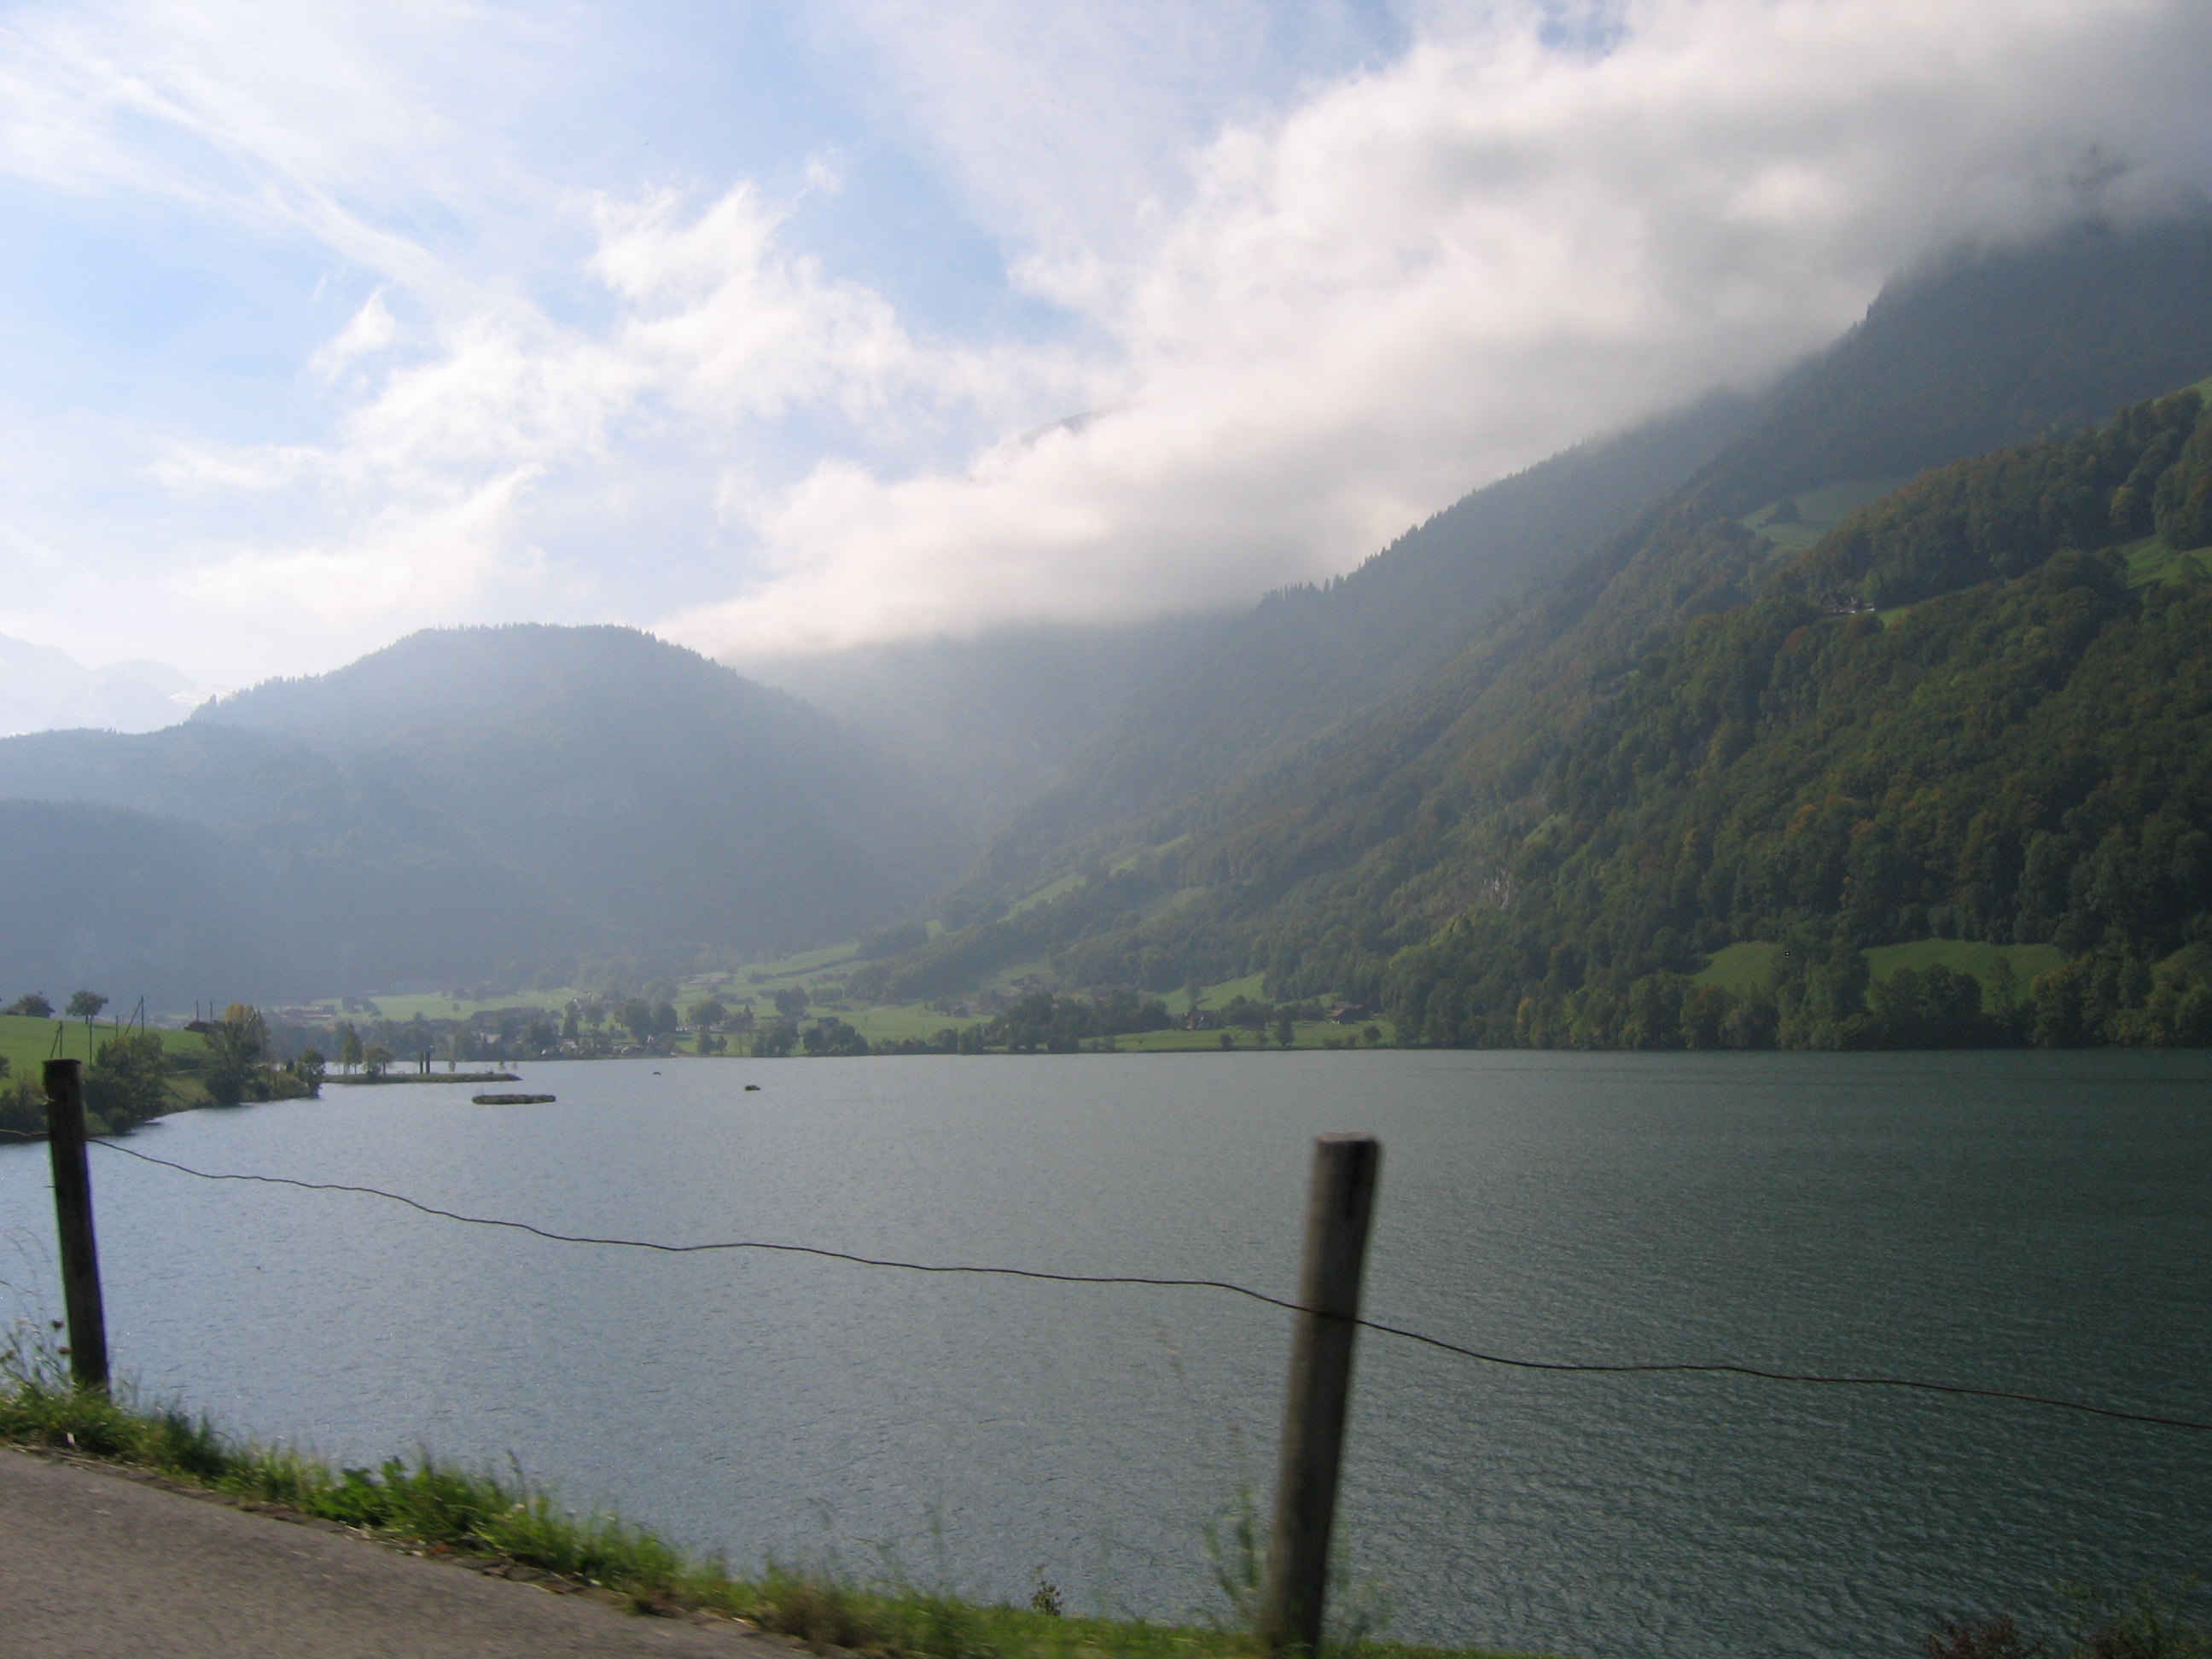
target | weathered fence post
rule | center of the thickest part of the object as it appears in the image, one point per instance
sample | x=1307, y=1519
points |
x=1339, y=1204
x=88, y=1322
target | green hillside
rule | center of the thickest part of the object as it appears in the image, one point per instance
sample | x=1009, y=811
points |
x=1309, y=655
x=2023, y=757
x=1490, y=616
x=1630, y=771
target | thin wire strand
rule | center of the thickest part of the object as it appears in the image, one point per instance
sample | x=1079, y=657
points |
x=1625, y=1368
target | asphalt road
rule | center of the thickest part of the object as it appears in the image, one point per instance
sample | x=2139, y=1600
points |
x=97, y=1565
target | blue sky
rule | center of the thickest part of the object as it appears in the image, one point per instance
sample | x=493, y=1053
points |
x=320, y=324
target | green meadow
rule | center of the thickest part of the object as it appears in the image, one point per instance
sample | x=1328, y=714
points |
x=27, y=1043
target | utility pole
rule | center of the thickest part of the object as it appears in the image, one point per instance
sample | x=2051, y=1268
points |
x=65, y=1137
x=1340, y=1205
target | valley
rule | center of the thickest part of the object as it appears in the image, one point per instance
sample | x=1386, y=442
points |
x=1516, y=779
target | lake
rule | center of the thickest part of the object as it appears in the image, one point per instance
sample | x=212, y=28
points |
x=2026, y=1221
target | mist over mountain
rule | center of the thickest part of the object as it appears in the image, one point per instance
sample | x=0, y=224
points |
x=988, y=722
x=1978, y=350
x=1307, y=657
x=464, y=802
x=42, y=687
x=1319, y=862
x=1319, y=789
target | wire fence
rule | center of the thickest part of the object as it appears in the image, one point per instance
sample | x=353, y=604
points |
x=1570, y=1367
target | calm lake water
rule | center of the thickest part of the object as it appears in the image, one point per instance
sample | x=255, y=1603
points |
x=2032, y=1221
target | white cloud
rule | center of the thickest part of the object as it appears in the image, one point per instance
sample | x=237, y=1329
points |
x=1428, y=275
x=1315, y=306
x=717, y=331
x=730, y=324
x=409, y=557
x=373, y=329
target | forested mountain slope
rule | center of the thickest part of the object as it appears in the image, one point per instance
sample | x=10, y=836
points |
x=1322, y=867
x=464, y=804
x=1306, y=657
x=1984, y=350
x=2008, y=740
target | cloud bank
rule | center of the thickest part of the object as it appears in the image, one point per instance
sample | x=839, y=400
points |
x=1380, y=267
x=1432, y=274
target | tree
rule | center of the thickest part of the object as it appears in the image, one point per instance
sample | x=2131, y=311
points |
x=791, y=1002
x=32, y=1003
x=348, y=1047
x=236, y=1043
x=86, y=1006
x=309, y=1068
x=23, y=1107
x=636, y=1015
x=663, y=1017
x=707, y=1015
x=128, y=1081
x=833, y=1038
x=375, y=1059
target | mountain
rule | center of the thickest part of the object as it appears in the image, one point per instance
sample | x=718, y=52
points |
x=42, y=687
x=988, y=722
x=1980, y=350
x=1326, y=864
x=464, y=804
x=1979, y=711
x=1308, y=656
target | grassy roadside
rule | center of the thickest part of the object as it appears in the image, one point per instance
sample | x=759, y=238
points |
x=492, y=1521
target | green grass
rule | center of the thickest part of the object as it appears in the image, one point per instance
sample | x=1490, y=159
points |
x=1742, y=967
x=1046, y=894
x=1965, y=957
x=1745, y=967
x=1134, y=856
x=1219, y=995
x=1819, y=511
x=1004, y=979
x=432, y=1004
x=496, y=1521
x=763, y=976
x=2152, y=561
x=890, y=1022
x=28, y=1043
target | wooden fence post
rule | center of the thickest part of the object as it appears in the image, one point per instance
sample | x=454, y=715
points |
x=88, y=1322
x=1339, y=1204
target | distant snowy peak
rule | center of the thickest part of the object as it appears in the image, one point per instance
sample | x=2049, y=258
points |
x=43, y=688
